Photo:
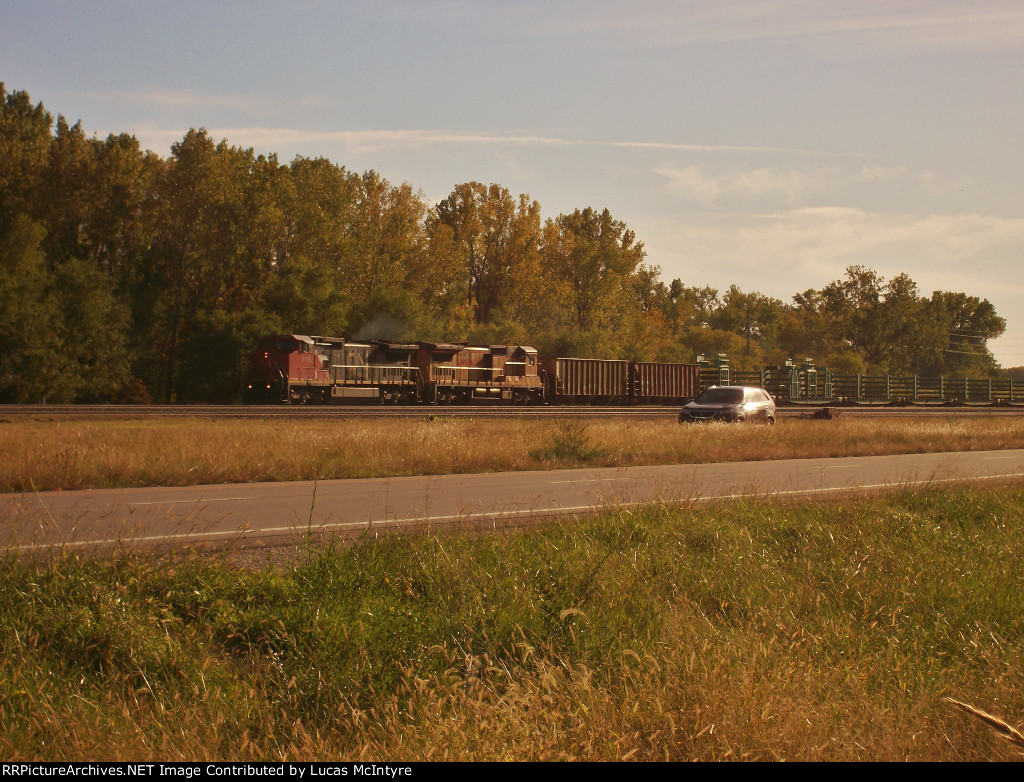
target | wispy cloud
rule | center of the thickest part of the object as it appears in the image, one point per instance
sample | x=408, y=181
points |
x=949, y=24
x=371, y=140
x=719, y=186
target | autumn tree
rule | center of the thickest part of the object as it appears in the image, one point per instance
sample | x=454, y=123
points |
x=595, y=257
x=494, y=238
x=25, y=139
x=968, y=323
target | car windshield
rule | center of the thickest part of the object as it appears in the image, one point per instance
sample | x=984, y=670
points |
x=721, y=396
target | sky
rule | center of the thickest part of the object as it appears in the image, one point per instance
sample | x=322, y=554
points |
x=767, y=144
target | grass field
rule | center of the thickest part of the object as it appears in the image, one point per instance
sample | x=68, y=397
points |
x=827, y=631
x=74, y=455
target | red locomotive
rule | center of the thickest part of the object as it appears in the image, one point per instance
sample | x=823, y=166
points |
x=300, y=369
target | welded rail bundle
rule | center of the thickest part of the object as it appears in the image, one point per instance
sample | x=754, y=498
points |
x=300, y=369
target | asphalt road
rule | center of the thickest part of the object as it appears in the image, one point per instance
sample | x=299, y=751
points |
x=273, y=513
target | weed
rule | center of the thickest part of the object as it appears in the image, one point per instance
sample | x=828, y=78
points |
x=569, y=443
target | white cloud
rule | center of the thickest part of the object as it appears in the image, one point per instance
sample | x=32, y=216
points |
x=691, y=182
x=877, y=173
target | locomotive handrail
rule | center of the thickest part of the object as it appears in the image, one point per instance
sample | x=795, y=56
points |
x=372, y=373
x=374, y=366
x=475, y=369
x=456, y=374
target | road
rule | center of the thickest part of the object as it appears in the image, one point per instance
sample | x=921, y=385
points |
x=274, y=513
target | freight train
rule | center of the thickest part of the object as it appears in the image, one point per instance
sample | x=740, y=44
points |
x=299, y=369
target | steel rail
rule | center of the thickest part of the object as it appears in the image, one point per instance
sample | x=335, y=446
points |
x=317, y=412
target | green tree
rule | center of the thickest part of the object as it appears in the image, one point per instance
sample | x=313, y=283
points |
x=221, y=231
x=595, y=257
x=968, y=322
x=311, y=288
x=30, y=347
x=94, y=354
x=757, y=319
x=24, y=146
x=908, y=335
x=491, y=236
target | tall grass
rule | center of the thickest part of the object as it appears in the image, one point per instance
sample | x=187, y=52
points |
x=755, y=630
x=75, y=455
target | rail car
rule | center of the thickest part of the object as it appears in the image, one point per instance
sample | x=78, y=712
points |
x=603, y=381
x=808, y=384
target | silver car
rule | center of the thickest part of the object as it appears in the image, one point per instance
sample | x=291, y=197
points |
x=731, y=403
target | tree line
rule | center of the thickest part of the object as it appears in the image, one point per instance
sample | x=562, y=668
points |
x=126, y=276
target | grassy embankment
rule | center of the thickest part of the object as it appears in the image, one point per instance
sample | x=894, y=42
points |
x=753, y=630
x=74, y=455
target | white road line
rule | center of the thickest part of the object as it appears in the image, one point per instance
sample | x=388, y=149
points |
x=189, y=502
x=198, y=536
x=589, y=480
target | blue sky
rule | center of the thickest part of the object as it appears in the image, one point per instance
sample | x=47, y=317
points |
x=766, y=144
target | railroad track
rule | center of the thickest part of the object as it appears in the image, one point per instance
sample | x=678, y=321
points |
x=66, y=412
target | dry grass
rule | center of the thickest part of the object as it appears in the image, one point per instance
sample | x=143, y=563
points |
x=749, y=631
x=1002, y=728
x=74, y=455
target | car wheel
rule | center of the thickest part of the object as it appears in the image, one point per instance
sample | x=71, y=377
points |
x=770, y=420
